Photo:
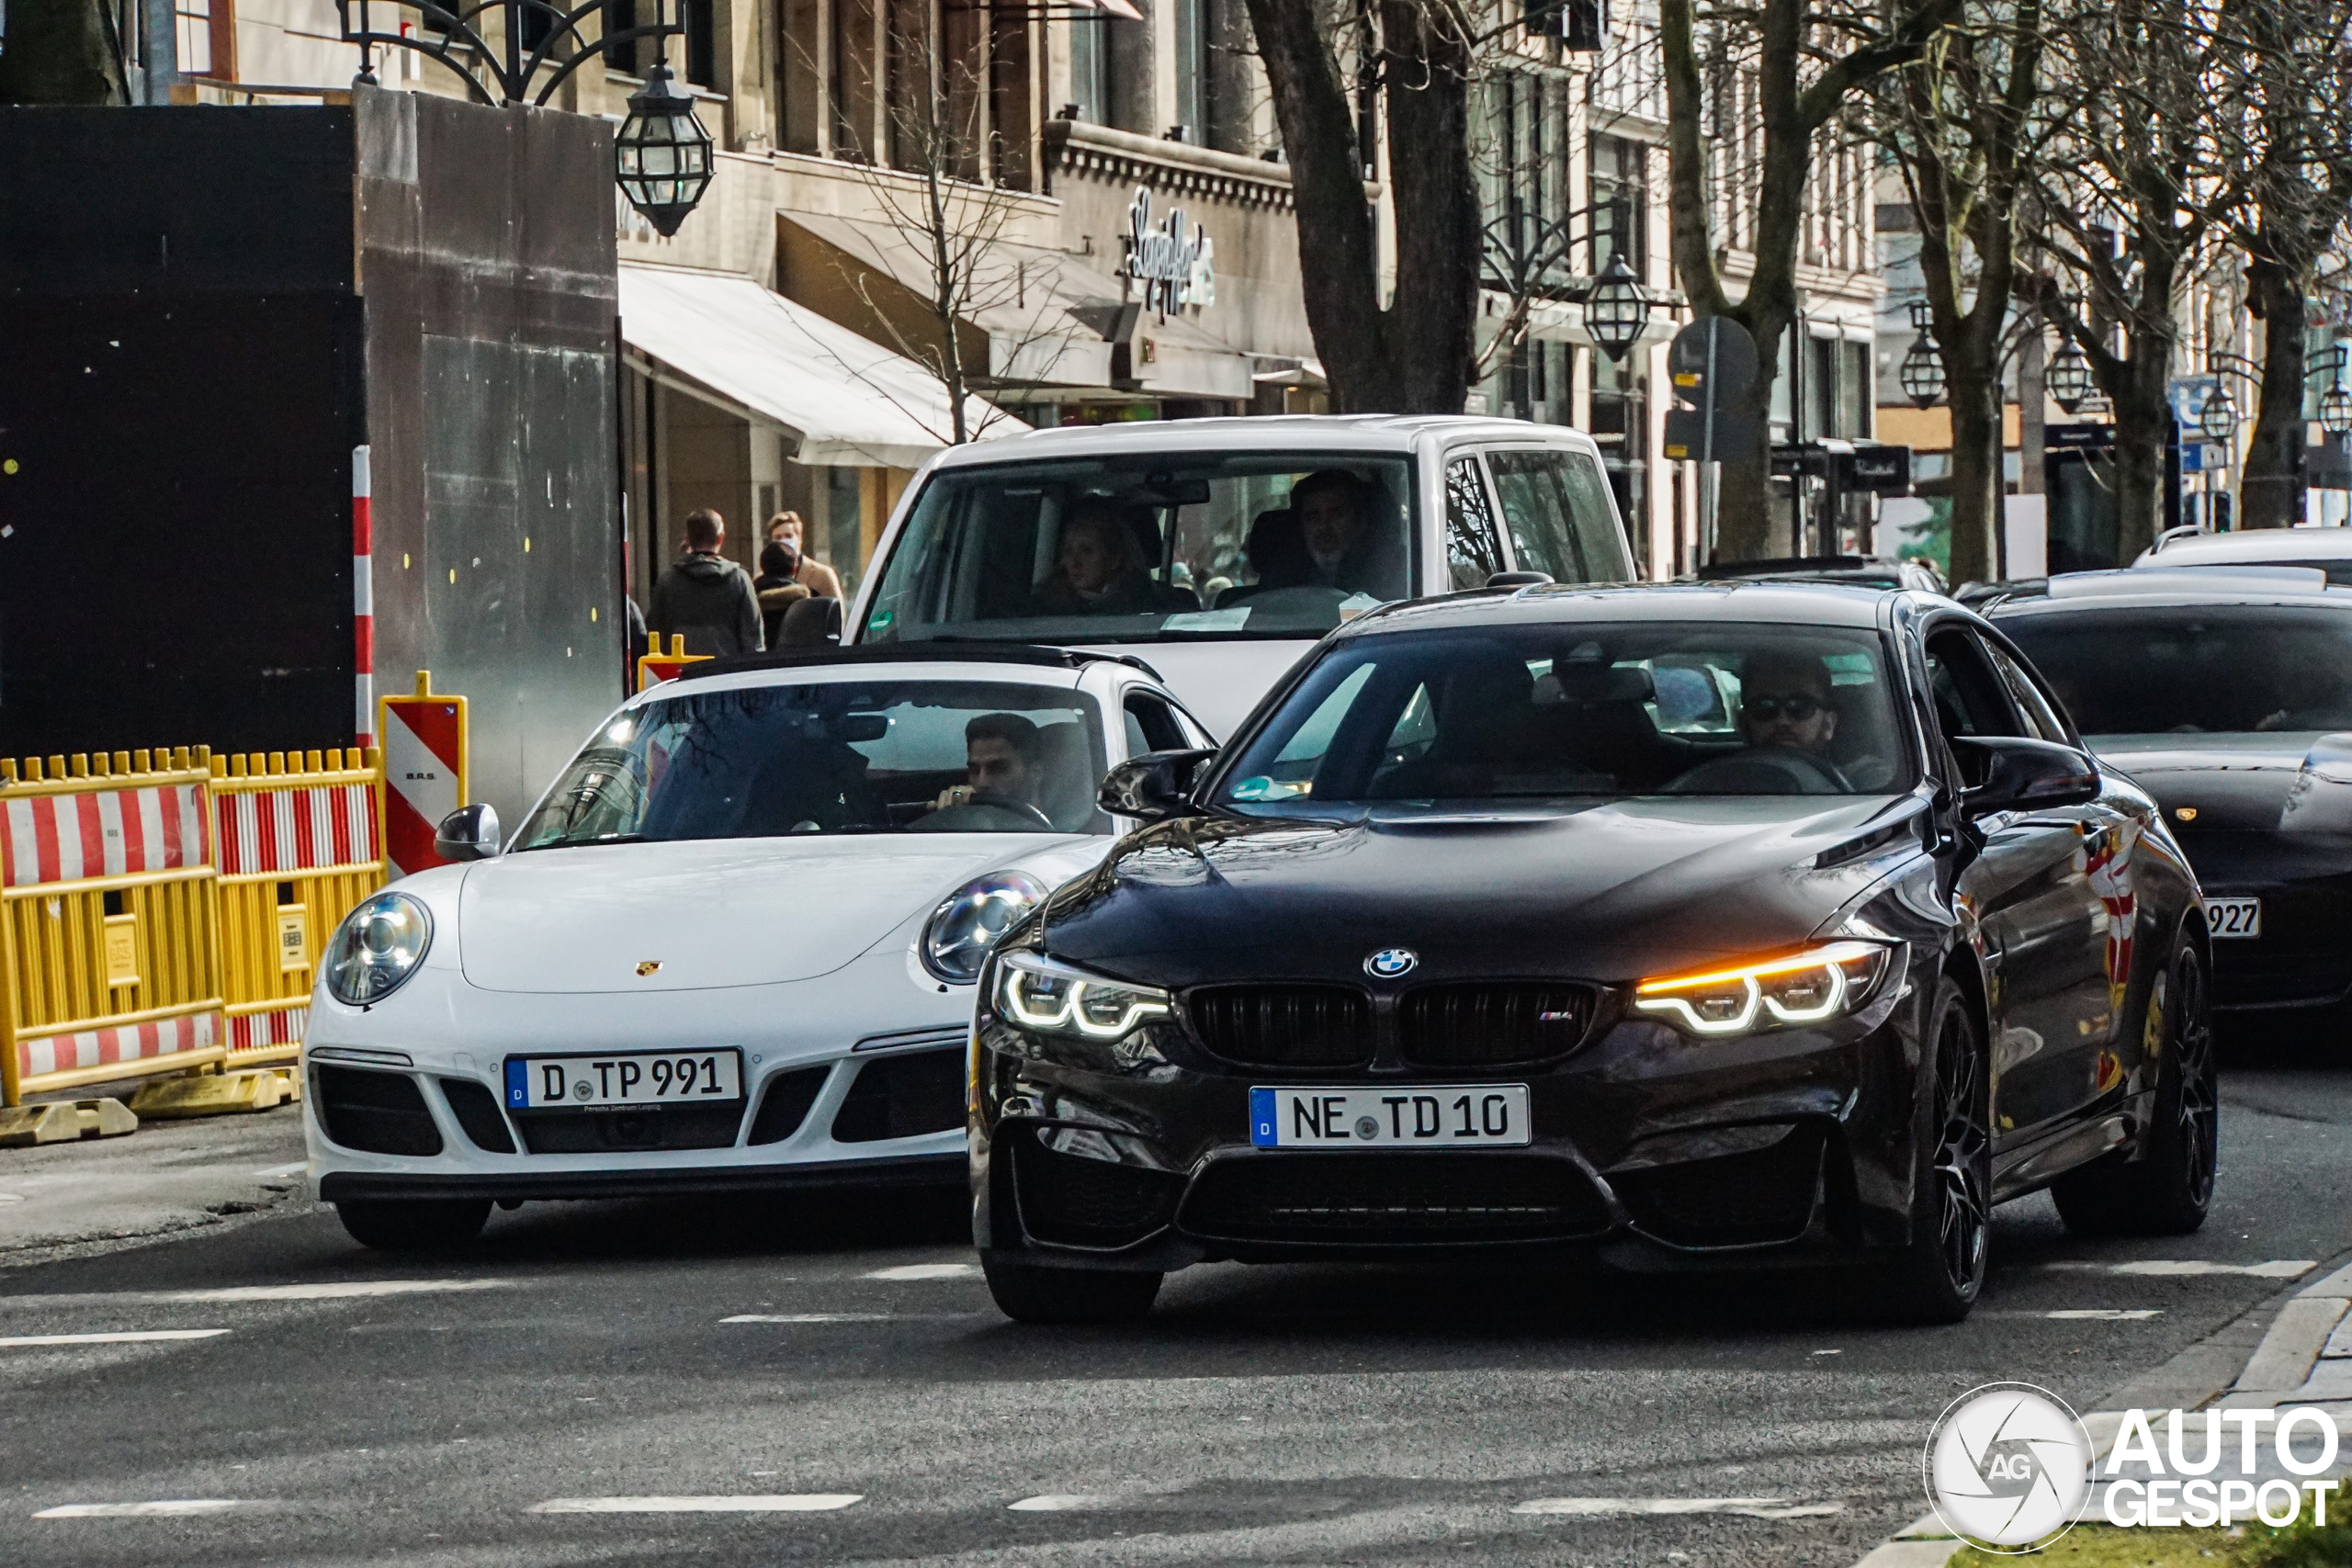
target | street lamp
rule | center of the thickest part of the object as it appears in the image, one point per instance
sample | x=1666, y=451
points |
x=1616, y=309
x=2068, y=379
x=2217, y=421
x=1921, y=374
x=2335, y=410
x=661, y=154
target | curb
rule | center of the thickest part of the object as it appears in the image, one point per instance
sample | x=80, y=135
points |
x=2220, y=1365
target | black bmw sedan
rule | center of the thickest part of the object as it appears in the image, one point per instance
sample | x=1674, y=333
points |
x=2227, y=694
x=1710, y=921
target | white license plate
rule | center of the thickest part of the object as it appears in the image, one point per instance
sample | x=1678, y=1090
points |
x=653, y=1078
x=1455, y=1116
x=2233, y=917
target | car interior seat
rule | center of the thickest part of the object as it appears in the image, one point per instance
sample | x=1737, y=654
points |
x=1066, y=778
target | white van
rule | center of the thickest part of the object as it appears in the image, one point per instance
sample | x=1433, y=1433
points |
x=1219, y=549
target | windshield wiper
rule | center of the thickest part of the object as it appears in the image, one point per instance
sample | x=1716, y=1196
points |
x=582, y=844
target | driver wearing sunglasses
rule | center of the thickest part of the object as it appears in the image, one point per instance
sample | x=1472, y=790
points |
x=1784, y=704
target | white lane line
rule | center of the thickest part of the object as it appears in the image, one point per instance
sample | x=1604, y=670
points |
x=164, y=1508
x=334, y=1291
x=297, y=1168
x=2105, y=1314
x=1063, y=1502
x=774, y=1503
x=811, y=1317
x=927, y=1271
x=11, y=1197
x=2166, y=1267
x=1745, y=1507
x=134, y=1336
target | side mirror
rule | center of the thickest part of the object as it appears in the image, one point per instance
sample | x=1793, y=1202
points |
x=471, y=832
x=1518, y=579
x=1152, y=787
x=2005, y=773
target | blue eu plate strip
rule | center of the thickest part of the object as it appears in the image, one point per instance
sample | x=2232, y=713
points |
x=518, y=1090
x=1262, y=1118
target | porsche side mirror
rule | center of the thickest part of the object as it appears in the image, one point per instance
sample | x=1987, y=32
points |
x=2008, y=772
x=1152, y=787
x=471, y=832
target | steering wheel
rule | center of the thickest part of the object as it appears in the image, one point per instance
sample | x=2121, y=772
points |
x=1762, y=769
x=986, y=811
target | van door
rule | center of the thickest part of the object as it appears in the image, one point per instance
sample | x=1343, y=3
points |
x=1559, y=515
x=1474, y=552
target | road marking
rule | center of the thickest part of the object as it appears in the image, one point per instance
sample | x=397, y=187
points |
x=134, y=1336
x=2105, y=1314
x=297, y=1168
x=11, y=1197
x=1747, y=1507
x=777, y=1503
x=2165, y=1267
x=334, y=1291
x=1062, y=1503
x=811, y=1317
x=927, y=1271
x=167, y=1507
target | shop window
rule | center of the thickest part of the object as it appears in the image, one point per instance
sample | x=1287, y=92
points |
x=1129, y=100
x=1620, y=193
x=206, y=36
x=1821, y=388
x=1620, y=426
x=799, y=90
x=620, y=16
x=1855, y=393
x=702, y=44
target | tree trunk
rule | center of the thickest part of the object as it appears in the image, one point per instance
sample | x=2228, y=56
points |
x=2270, y=492
x=2143, y=433
x=1975, y=397
x=57, y=53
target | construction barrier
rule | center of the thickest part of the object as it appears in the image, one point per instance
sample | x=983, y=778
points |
x=425, y=773
x=654, y=666
x=298, y=848
x=108, y=920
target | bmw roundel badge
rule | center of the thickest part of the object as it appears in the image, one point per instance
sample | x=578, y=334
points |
x=1391, y=962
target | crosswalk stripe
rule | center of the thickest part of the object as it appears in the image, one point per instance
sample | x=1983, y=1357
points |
x=1747, y=1507
x=164, y=1508
x=134, y=1336
x=773, y=1503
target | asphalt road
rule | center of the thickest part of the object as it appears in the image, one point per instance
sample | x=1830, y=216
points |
x=519, y=1404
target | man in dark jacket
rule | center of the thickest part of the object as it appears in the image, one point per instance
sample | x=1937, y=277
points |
x=706, y=596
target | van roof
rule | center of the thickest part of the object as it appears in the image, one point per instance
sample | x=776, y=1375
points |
x=1255, y=433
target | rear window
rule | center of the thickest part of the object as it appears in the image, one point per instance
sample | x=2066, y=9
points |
x=2194, y=670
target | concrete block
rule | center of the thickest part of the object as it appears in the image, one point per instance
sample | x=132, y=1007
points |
x=211, y=1094
x=64, y=1122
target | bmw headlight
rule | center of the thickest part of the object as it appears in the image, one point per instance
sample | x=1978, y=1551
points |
x=1811, y=987
x=957, y=937
x=377, y=948
x=1036, y=993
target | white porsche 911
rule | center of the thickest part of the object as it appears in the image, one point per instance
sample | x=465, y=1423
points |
x=732, y=948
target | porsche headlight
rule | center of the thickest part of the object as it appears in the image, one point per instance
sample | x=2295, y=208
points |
x=1811, y=987
x=377, y=948
x=1039, y=994
x=960, y=931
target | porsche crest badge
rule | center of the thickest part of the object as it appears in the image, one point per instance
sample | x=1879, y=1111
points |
x=651, y=967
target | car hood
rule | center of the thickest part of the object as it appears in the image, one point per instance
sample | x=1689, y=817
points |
x=2285, y=782
x=1608, y=892
x=708, y=912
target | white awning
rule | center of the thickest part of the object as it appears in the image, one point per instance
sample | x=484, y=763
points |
x=842, y=399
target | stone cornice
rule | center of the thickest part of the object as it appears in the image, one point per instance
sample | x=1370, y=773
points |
x=1174, y=169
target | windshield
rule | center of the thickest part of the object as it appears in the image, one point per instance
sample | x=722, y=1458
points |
x=2195, y=670
x=1509, y=712
x=1146, y=547
x=839, y=757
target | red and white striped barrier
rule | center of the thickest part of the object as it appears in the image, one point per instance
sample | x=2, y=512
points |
x=296, y=830
x=103, y=1047
x=66, y=837
x=363, y=593
x=425, y=774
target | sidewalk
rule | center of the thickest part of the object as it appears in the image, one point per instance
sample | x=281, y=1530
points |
x=93, y=1196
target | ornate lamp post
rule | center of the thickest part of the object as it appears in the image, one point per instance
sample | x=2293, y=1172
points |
x=2069, y=379
x=1616, y=309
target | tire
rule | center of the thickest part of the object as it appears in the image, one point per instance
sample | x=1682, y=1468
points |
x=1027, y=1293
x=2169, y=1188
x=1938, y=1274
x=418, y=1225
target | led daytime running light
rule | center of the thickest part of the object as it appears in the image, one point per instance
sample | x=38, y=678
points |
x=1848, y=968
x=1067, y=1013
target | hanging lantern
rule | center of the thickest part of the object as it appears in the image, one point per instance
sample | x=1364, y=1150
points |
x=1616, y=309
x=1922, y=373
x=2068, y=379
x=661, y=154
x=2335, y=410
x=2217, y=421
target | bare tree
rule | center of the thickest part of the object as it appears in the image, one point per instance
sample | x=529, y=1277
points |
x=1809, y=60
x=1410, y=64
x=1962, y=126
x=60, y=51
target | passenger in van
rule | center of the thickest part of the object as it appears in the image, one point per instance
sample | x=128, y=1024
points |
x=1334, y=508
x=1099, y=568
x=1277, y=552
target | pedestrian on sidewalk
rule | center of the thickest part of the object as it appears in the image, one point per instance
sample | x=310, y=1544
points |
x=705, y=597
x=778, y=586
x=812, y=574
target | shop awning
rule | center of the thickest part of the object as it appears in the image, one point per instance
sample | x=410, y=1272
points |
x=842, y=399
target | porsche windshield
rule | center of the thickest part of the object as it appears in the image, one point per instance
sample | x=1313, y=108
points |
x=2200, y=670
x=1146, y=547
x=1580, y=710
x=834, y=757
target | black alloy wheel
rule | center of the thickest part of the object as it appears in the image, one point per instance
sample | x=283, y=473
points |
x=1028, y=1293
x=1938, y=1277
x=413, y=1225
x=2164, y=1185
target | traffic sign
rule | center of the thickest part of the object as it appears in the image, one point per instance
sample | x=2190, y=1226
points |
x=1711, y=364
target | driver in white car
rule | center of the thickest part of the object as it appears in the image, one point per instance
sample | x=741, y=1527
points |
x=1784, y=704
x=1002, y=755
